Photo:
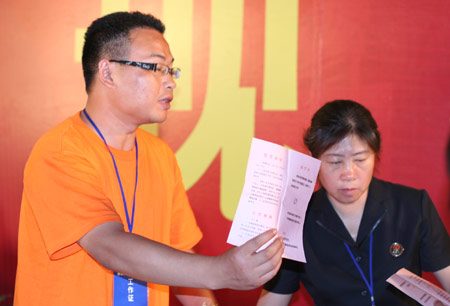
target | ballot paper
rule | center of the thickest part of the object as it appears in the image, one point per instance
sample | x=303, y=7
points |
x=278, y=185
x=419, y=289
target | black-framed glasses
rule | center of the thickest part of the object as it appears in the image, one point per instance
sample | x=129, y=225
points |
x=157, y=67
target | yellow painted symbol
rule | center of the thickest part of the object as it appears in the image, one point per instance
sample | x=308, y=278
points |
x=178, y=18
x=228, y=118
x=280, y=55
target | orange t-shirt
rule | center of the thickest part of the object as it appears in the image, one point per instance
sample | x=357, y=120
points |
x=70, y=186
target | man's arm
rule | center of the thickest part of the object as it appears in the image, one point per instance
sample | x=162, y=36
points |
x=194, y=296
x=443, y=277
x=239, y=268
x=268, y=298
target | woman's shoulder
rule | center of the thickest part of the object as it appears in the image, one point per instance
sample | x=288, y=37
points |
x=381, y=187
x=398, y=195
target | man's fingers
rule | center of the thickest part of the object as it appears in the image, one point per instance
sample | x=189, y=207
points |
x=277, y=246
x=271, y=272
x=269, y=260
x=250, y=269
x=255, y=243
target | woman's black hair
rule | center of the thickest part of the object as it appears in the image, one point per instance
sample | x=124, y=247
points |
x=337, y=119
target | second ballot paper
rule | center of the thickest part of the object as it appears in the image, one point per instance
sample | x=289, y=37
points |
x=278, y=185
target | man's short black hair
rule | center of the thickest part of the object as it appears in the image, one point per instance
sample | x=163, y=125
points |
x=108, y=37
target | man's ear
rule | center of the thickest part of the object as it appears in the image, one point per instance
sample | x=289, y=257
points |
x=104, y=73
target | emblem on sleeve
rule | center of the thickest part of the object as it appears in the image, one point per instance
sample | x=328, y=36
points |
x=396, y=249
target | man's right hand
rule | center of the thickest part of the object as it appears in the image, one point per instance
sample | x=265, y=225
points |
x=242, y=268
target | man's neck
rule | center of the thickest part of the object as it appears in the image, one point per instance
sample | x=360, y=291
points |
x=116, y=134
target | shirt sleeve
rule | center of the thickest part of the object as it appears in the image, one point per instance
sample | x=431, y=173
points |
x=287, y=280
x=435, y=241
x=63, y=192
x=185, y=233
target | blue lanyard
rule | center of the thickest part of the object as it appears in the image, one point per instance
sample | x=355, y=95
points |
x=369, y=285
x=130, y=222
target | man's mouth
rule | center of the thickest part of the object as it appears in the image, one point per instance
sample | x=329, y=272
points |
x=166, y=100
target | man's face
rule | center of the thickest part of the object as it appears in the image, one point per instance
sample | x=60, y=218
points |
x=143, y=96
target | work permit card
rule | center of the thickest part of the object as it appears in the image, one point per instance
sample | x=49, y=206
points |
x=129, y=291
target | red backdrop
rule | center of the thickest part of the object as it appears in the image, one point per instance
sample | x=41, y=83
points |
x=390, y=56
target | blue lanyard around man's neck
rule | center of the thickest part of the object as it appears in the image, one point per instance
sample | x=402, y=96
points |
x=130, y=222
x=369, y=285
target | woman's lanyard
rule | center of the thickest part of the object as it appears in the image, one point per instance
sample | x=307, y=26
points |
x=130, y=222
x=369, y=285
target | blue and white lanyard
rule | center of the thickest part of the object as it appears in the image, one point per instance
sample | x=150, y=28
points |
x=130, y=222
x=369, y=285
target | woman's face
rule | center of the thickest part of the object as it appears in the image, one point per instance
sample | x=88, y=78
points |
x=346, y=170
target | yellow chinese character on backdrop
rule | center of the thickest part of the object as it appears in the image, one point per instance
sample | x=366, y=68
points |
x=228, y=118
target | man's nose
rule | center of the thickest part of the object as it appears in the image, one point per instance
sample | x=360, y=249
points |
x=169, y=82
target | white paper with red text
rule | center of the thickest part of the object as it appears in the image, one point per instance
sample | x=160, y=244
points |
x=419, y=289
x=278, y=185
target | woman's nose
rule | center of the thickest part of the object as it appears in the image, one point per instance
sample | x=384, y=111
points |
x=348, y=172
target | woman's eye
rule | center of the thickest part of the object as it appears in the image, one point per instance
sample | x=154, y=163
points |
x=336, y=162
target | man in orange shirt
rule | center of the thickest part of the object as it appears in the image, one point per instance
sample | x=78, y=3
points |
x=105, y=219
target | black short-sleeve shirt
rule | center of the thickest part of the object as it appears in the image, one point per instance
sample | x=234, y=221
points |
x=393, y=213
